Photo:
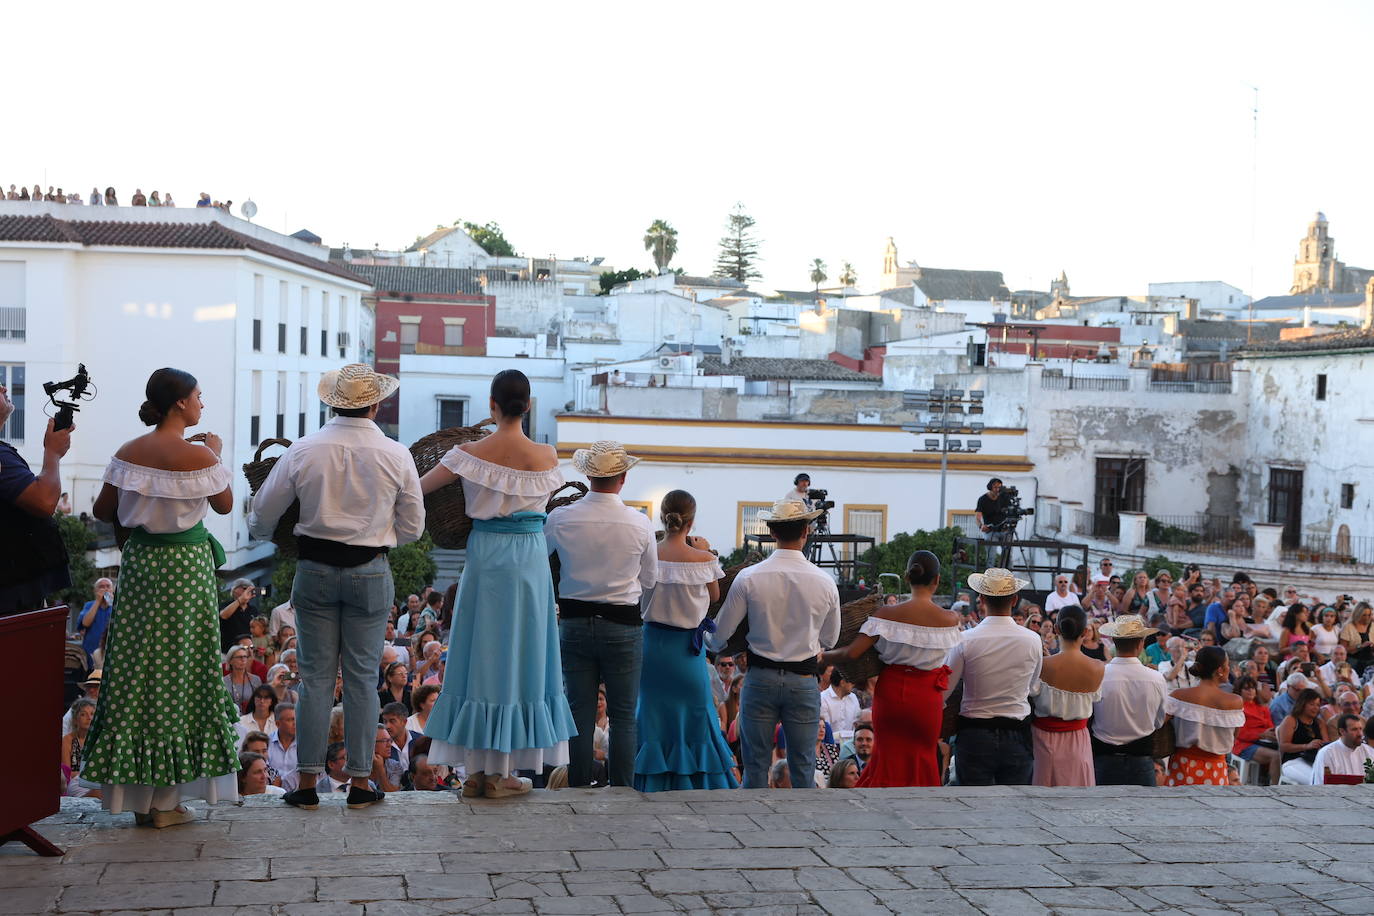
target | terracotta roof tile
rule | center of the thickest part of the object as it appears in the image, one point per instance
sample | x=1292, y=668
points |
x=115, y=233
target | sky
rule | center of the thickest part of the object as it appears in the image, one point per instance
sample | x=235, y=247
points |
x=1114, y=142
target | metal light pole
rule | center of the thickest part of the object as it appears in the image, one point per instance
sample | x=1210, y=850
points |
x=941, y=402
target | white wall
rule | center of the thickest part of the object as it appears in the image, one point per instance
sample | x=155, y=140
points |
x=1211, y=295
x=840, y=458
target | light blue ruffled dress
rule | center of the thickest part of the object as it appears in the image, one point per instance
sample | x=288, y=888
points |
x=680, y=742
x=503, y=707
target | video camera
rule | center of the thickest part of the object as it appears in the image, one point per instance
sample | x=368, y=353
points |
x=1012, y=513
x=819, y=501
x=77, y=385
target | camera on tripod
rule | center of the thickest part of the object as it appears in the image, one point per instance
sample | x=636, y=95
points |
x=819, y=501
x=1012, y=513
x=77, y=385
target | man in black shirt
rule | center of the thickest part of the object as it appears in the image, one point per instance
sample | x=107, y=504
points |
x=235, y=616
x=989, y=510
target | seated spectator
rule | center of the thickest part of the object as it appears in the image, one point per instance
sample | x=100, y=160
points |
x=240, y=681
x=844, y=774
x=281, y=747
x=1297, y=628
x=1093, y=645
x=386, y=768
x=557, y=778
x=779, y=777
x=1268, y=671
x=1326, y=635
x=396, y=687
x=1344, y=702
x=827, y=753
x=73, y=747
x=1100, y=604
x=1175, y=667
x=253, y=776
x=260, y=716
x=1343, y=760
x=95, y=618
x=277, y=682
x=430, y=671
x=1157, y=652
x=863, y=746
x=256, y=743
x=839, y=706
x=1062, y=596
x=422, y=700
x=1301, y=734
x=336, y=718
x=1339, y=655
x=335, y=777
x=394, y=717
x=1257, y=740
x=421, y=777
x=1283, y=701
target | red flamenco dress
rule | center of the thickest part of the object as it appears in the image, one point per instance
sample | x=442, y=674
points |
x=908, y=703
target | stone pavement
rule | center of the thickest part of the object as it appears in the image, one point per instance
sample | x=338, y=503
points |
x=1289, y=850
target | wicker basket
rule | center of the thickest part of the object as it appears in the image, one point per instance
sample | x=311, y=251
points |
x=852, y=617
x=558, y=502
x=739, y=639
x=446, y=516
x=256, y=471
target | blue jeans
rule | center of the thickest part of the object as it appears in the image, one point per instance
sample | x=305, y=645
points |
x=598, y=651
x=342, y=624
x=993, y=756
x=1116, y=770
x=771, y=696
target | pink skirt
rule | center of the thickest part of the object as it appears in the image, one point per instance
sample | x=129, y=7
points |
x=1063, y=758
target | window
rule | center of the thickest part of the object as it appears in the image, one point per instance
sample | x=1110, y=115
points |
x=452, y=412
x=257, y=312
x=324, y=324
x=300, y=426
x=410, y=333
x=1119, y=487
x=255, y=424
x=1347, y=496
x=12, y=377
x=1285, y=503
x=281, y=337
x=281, y=404
x=13, y=316
x=747, y=520
x=640, y=506
x=1321, y=386
x=868, y=521
x=453, y=334
x=966, y=522
x=305, y=345
x=343, y=328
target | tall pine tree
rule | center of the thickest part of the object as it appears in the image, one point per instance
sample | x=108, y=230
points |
x=739, y=248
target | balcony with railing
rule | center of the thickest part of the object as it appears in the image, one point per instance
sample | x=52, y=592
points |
x=1218, y=535
x=1332, y=551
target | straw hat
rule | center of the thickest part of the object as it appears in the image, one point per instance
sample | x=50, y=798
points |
x=1127, y=626
x=605, y=458
x=996, y=582
x=355, y=386
x=789, y=510
x=95, y=678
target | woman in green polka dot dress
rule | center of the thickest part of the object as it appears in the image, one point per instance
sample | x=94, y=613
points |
x=163, y=728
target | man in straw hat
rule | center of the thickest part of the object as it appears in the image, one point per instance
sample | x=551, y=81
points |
x=793, y=608
x=998, y=662
x=1130, y=710
x=608, y=557
x=360, y=496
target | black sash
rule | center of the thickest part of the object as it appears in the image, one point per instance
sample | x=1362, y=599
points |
x=333, y=553
x=807, y=666
x=627, y=614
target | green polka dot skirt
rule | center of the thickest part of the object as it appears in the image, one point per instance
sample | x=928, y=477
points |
x=164, y=717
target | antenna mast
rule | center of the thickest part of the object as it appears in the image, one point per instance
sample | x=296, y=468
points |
x=1254, y=206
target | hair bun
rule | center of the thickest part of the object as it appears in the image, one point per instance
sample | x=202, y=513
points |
x=149, y=414
x=672, y=521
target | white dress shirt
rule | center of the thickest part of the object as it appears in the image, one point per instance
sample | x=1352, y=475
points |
x=1132, y=704
x=283, y=760
x=282, y=615
x=840, y=711
x=1185, y=677
x=355, y=485
x=606, y=550
x=998, y=661
x=1340, y=760
x=793, y=608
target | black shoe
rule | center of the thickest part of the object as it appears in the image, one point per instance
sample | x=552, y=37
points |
x=361, y=798
x=308, y=799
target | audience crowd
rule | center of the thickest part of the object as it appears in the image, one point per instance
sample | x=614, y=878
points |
x=1302, y=667
x=107, y=198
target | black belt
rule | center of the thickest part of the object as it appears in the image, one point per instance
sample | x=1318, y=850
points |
x=627, y=614
x=807, y=666
x=1140, y=747
x=995, y=723
x=333, y=553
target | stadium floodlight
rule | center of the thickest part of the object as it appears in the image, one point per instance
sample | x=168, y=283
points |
x=973, y=445
x=955, y=445
x=976, y=427
x=932, y=445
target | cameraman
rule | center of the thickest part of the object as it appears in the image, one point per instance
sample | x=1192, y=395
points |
x=33, y=558
x=991, y=510
x=798, y=494
x=236, y=616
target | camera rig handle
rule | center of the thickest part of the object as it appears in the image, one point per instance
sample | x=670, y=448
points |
x=77, y=385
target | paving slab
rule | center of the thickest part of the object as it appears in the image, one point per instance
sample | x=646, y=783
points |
x=805, y=853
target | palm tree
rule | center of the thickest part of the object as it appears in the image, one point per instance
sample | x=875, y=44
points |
x=847, y=275
x=818, y=275
x=661, y=239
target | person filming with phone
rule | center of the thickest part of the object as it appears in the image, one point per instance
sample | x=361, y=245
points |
x=235, y=618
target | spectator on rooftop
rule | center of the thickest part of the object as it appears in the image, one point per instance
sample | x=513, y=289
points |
x=24, y=193
x=204, y=200
x=111, y=199
x=1301, y=734
x=154, y=200
x=167, y=200
x=138, y=200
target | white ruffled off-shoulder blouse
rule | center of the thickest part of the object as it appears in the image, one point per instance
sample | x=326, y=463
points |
x=1062, y=704
x=910, y=644
x=679, y=597
x=494, y=490
x=1206, y=727
x=164, y=502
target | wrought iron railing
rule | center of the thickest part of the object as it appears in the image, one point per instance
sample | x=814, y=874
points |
x=1223, y=535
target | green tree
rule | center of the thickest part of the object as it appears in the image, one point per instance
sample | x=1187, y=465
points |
x=77, y=537
x=847, y=275
x=661, y=240
x=1155, y=565
x=490, y=237
x=739, y=248
x=818, y=275
x=610, y=279
x=412, y=568
x=892, y=556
